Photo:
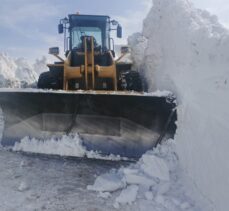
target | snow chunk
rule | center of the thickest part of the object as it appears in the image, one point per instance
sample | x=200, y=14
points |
x=138, y=179
x=104, y=195
x=107, y=183
x=154, y=181
x=128, y=195
x=155, y=167
x=149, y=195
x=23, y=187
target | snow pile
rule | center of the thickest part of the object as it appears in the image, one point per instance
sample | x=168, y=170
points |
x=156, y=181
x=24, y=71
x=138, y=45
x=18, y=73
x=40, y=65
x=67, y=145
x=188, y=53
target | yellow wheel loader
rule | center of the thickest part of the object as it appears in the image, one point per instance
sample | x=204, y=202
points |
x=91, y=94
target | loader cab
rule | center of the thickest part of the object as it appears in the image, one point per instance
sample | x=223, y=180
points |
x=97, y=26
x=84, y=25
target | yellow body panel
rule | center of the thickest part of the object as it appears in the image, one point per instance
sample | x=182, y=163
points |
x=89, y=70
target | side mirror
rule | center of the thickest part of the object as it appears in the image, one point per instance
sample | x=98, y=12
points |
x=119, y=31
x=61, y=28
x=54, y=51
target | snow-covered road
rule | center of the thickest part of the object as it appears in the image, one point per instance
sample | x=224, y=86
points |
x=32, y=182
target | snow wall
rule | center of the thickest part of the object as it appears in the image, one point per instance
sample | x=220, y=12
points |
x=186, y=50
x=16, y=73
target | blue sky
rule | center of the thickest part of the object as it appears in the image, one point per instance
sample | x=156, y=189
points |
x=29, y=27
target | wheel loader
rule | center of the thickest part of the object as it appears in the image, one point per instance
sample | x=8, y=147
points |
x=92, y=94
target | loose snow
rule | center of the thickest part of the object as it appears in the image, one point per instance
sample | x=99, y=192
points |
x=67, y=145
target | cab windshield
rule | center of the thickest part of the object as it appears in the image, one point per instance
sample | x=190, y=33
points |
x=78, y=32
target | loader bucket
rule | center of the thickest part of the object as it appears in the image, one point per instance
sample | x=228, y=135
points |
x=125, y=124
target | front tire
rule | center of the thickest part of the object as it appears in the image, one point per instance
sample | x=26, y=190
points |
x=133, y=81
x=48, y=80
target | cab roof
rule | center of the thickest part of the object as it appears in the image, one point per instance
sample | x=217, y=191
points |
x=89, y=17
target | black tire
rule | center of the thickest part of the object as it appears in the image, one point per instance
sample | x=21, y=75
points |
x=57, y=71
x=48, y=80
x=133, y=81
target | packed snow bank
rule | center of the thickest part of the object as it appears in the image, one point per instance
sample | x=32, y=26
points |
x=188, y=53
x=69, y=146
x=138, y=45
x=156, y=181
x=18, y=72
